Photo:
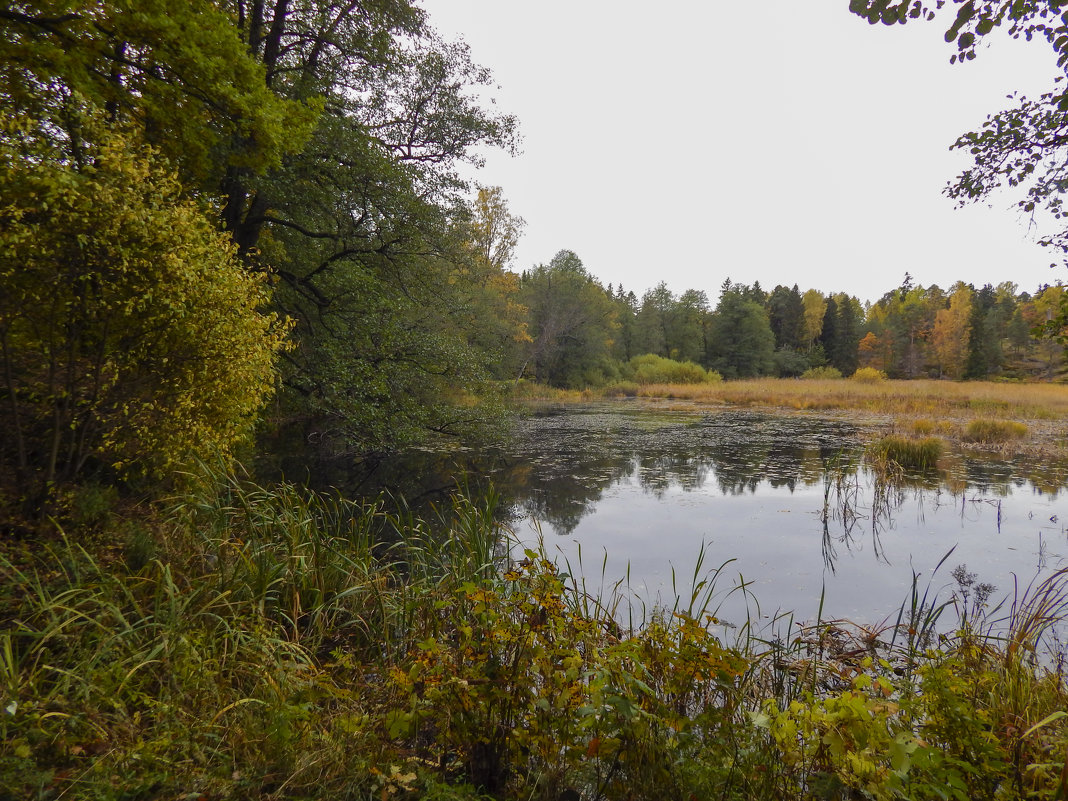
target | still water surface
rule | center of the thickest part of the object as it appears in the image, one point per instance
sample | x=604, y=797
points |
x=788, y=498
x=630, y=489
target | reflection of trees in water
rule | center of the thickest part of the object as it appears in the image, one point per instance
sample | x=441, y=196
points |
x=860, y=505
x=562, y=490
x=993, y=474
x=658, y=472
x=557, y=468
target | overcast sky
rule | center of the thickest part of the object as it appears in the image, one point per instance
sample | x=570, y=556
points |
x=780, y=142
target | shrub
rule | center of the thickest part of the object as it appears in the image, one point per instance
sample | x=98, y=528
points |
x=652, y=369
x=790, y=363
x=869, y=375
x=133, y=335
x=988, y=431
x=821, y=373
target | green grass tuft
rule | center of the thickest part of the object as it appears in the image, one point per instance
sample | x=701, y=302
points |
x=909, y=454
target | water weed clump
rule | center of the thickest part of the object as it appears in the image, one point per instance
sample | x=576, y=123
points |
x=993, y=431
x=905, y=453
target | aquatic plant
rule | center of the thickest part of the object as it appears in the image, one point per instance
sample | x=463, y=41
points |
x=905, y=453
x=993, y=431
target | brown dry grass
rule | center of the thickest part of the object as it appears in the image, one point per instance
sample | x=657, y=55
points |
x=912, y=407
x=921, y=397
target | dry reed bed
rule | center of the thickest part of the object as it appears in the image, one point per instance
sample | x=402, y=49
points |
x=919, y=406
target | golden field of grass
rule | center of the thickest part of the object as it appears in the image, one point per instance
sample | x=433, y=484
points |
x=968, y=400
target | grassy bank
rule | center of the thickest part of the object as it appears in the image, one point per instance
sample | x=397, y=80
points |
x=270, y=644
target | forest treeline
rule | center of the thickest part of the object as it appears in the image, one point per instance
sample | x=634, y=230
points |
x=582, y=333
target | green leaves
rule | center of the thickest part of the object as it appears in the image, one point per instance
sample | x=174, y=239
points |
x=132, y=337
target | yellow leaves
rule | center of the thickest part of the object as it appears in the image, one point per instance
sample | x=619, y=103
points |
x=160, y=324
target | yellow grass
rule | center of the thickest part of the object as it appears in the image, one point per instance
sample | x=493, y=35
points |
x=921, y=398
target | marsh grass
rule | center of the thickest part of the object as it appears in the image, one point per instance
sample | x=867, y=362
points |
x=284, y=644
x=993, y=431
x=890, y=455
x=925, y=398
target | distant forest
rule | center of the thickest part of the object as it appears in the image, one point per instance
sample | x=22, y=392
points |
x=578, y=332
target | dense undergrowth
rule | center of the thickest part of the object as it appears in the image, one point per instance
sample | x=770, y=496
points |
x=271, y=643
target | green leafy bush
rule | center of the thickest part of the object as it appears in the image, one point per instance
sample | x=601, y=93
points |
x=653, y=369
x=133, y=337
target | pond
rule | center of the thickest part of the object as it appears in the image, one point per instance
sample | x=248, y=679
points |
x=639, y=492
x=646, y=493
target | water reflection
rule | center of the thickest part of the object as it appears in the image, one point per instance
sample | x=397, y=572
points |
x=788, y=497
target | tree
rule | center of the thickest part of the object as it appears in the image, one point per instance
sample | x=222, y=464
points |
x=653, y=319
x=786, y=314
x=1046, y=306
x=625, y=304
x=873, y=352
x=366, y=226
x=952, y=332
x=844, y=354
x=828, y=337
x=686, y=337
x=815, y=307
x=327, y=134
x=495, y=230
x=572, y=323
x=176, y=70
x=740, y=342
x=482, y=293
x=984, y=336
x=131, y=338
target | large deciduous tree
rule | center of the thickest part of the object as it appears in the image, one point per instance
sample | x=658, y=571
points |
x=366, y=226
x=952, y=332
x=325, y=136
x=176, y=70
